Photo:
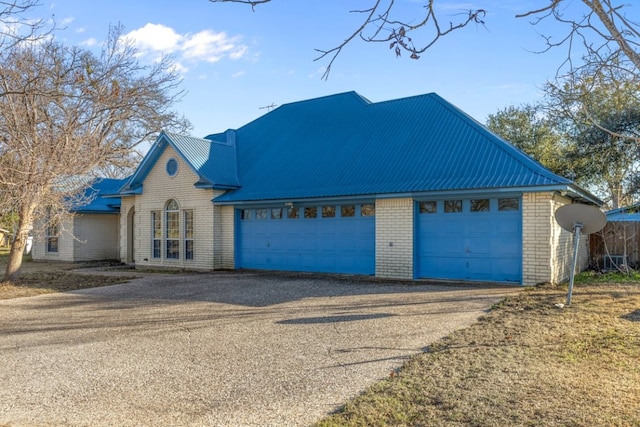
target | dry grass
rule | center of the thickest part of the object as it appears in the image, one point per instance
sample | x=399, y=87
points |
x=44, y=278
x=526, y=363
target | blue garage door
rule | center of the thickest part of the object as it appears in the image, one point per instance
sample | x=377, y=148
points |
x=328, y=238
x=470, y=239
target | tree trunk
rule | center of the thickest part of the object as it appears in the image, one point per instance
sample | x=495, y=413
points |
x=12, y=273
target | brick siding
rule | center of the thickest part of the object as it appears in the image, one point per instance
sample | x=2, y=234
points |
x=394, y=238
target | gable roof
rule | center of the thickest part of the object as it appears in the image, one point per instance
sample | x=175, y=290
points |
x=213, y=161
x=103, y=196
x=344, y=145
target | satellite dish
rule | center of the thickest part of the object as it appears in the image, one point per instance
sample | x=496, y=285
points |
x=579, y=219
x=590, y=218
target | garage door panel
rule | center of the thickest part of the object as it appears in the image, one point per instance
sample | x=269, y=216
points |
x=484, y=245
x=339, y=245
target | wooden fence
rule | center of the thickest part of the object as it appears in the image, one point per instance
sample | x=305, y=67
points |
x=617, y=244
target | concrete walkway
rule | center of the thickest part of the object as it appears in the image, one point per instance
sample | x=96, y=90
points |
x=223, y=349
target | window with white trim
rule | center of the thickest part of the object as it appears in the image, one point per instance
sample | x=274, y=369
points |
x=172, y=227
x=53, y=238
x=156, y=234
x=188, y=234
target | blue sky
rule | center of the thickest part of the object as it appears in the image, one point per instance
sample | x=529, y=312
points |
x=234, y=61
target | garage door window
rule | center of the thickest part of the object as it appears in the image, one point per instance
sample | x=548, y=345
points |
x=311, y=212
x=328, y=212
x=261, y=214
x=245, y=214
x=452, y=206
x=347, y=211
x=367, y=210
x=276, y=213
x=428, y=207
x=509, y=204
x=479, y=205
x=293, y=213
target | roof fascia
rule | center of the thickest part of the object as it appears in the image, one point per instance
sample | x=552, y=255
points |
x=567, y=190
x=366, y=198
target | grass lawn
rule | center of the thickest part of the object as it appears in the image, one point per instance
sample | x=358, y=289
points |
x=525, y=363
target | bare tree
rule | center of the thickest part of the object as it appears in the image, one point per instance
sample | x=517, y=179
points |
x=599, y=29
x=16, y=27
x=65, y=113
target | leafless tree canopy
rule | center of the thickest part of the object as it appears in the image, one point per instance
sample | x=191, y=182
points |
x=16, y=28
x=66, y=113
x=599, y=30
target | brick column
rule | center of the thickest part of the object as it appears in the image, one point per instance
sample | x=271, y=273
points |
x=394, y=238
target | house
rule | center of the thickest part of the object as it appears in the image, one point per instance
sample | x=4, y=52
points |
x=617, y=245
x=91, y=233
x=409, y=188
x=5, y=237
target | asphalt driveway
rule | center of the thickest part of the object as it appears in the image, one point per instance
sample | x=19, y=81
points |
x=223, y=349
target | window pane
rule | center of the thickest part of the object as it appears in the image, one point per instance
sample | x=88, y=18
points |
x=245, y=213
x=188, y=224
x=173, y=249
x=479, y=205
x=367, y=210
x=52, y=238
x=156, y=224
x=347, y=210
x=261, y=214
x=157, y=248
x=328, y=211
x=428, y=207
x=276, y=213
x=510, y=204
x=311, y=212
x=52, y=244
x=453, y=206
x=173, y=225
x=293, y=213
x=188, y=249
x=172, y=205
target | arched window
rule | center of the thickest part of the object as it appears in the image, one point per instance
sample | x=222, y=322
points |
x=172, y=227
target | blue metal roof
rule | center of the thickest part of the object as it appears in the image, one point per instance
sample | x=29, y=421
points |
x=213, y=161
x=103, y=194
x=344, y=145
x=627, y=213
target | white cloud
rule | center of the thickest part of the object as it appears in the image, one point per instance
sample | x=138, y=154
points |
x=89, y=42
x=239, y=74
x=203, y=46
x=65, y=21
x=155, y=37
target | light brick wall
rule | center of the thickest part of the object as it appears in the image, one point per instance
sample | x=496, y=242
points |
x=547, y=249
x=65, y=243
x=96, y=237
x=158, y=188
x=394, y=238
x=227, y=237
